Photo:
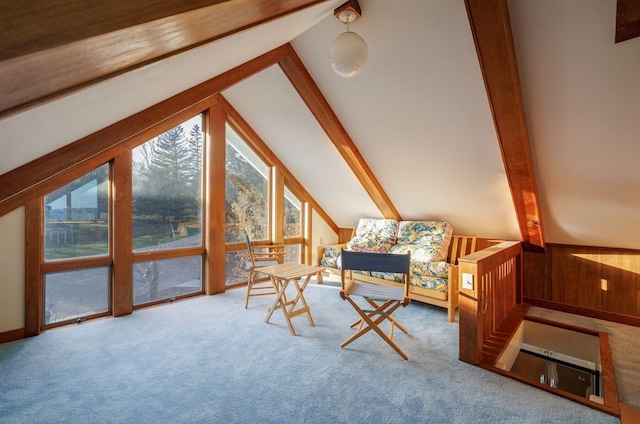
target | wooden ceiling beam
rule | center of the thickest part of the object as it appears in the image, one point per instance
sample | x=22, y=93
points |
x=48, y=50
x=310, y=93
x=627, y=20
x=491, y=29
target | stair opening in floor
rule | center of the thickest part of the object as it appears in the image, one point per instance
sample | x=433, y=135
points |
x=569, y=361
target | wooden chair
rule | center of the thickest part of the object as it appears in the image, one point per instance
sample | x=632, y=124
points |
x=384, y=298
x=274, y=255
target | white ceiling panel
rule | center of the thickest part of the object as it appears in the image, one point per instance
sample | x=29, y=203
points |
x=419, y=114
x=582, y=93
x=273, y=108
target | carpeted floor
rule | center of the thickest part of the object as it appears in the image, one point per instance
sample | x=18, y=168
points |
x=208, y=360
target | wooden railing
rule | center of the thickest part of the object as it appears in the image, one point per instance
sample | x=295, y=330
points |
x=489, y=288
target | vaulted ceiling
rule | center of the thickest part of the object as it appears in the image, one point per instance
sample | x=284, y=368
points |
x=529, y=137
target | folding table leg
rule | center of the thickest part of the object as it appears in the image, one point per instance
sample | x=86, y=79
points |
x=300, y=298
x=280, y=302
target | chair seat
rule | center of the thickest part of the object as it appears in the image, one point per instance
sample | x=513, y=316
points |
x=376, y=292
x=271, y=254
x=383, y=299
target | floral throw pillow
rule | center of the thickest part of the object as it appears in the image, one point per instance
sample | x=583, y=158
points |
x=374, y=235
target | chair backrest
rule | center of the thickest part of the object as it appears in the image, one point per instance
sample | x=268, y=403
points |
x=378, y=262
x=266, y=253
x=248, y=240
x=249, y=248
x=394, y=263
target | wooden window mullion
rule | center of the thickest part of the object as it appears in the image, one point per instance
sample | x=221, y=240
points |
x=277, y=217
x=120, y=235
x=34, y=242
x=215, y=157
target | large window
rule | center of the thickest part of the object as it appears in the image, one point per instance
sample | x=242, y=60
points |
x=247, y=191
x=167, y=189
x=292, y=226
x=246, y=202
x=167, y=213
x=76, y=221
x=76, y=227
x=133, y=231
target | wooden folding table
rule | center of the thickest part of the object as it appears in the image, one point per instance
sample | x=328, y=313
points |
x=281, y=275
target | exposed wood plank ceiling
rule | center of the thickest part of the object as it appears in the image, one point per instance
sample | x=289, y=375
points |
x=49, y=50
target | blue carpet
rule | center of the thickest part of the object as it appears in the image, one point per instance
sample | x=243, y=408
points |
x=208, y=360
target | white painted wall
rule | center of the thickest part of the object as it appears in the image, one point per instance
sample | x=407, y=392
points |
x=581, y=91
x=322, y=234
x=12, y=278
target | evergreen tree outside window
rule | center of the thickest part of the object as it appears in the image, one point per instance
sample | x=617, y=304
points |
x=167, y=189
x=167, y=212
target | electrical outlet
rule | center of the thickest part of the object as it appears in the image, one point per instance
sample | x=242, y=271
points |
x=467, y=281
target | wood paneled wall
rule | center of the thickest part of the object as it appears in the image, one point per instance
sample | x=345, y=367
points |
x=599, y=282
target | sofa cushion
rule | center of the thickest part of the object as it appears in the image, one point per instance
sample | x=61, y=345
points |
x=374, y=235
x=428, y=241
x=431, y=269
x=432, y=283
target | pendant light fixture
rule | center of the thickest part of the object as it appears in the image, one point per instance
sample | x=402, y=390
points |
x=348, y=53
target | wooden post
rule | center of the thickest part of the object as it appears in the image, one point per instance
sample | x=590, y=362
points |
x=214, y=269
x=122, y=301
x=468, y=315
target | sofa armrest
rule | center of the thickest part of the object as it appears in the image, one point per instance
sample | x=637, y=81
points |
x=328, y=252
x=323, y=253
x=454, y=272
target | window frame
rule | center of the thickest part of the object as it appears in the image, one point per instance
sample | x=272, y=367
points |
x=72, y=264
x=242, y=135
x=120, y=250
x=178, y=252
x=114, y=145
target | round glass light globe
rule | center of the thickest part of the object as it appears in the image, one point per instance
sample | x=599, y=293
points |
x=348, y=54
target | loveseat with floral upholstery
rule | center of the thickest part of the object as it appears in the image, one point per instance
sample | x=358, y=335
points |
x=434, y=252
